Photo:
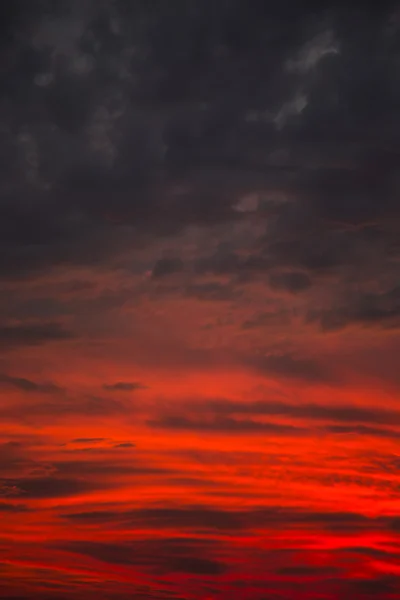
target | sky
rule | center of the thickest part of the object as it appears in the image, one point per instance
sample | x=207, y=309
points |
x=199, y=300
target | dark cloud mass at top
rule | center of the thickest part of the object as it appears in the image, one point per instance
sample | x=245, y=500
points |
x=122, y=120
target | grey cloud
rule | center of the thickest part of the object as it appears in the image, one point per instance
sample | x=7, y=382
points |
x=292, y=281
x=228, y=262
x=164, y=132
x=350, y=195
x=167, y=266
x=207, y=291
x=212, y=291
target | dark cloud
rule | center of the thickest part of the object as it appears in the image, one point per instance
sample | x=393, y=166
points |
x=350, y=195
x=212, y=291
x=309, y=571
x=59, y=407
x=51, y=487
x=196, y=566
x=98, y=468
x=124, y=386
x=341, y=413
x=264, y=319
x=198, y=518
x=163, y=555
x=225, y=425
x=9, y=507
x=372, y=552
x=227, y=417
x=191, y=518
x=368, y=310
x=14, y=336
x=97, y=516
x=27, y=385
x=288, y=365
x=385, y=586
x=292, y=282
x=124, y=445
x=208, y=291
x=182, y=518
x=88, y=440
x=176, y=133
x=364, y=430
x=167, y=266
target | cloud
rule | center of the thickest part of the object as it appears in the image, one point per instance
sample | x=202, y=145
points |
x=124, y=445
x=382, y=586
x=14, y=336
x=246, y=156
x=292, y=367
x=309, y=571
x=88, y=440
x=104, y=465
x=292, y=282
x=369, y=310
x=181, y=518
x=9, y=507
x=60, y=407
x=225, y=425
x=340, y=413
x=212, y=291
x=363, y=430
x=227, y=417
x=196, y=566
x=198, y=518
x=163, y=556
x=51, y=487
x=124, y=386
x=27, y=385
x=167, y=266
x=153, y=144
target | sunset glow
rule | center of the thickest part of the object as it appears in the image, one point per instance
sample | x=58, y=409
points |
x=199, y=308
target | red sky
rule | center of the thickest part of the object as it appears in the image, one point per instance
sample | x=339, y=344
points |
x=199, y=309
x=155, y=454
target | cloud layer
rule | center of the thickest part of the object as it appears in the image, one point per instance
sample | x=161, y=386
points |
x=199, y=309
